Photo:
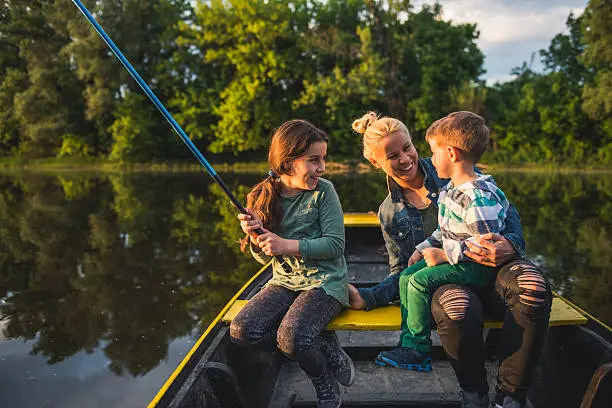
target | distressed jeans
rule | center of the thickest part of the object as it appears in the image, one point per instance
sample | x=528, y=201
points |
x=291, y=320
x=521, y=299
x=417, y=284
x=381, y=294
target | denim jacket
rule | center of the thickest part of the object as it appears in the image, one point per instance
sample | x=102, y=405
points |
x=402, y=224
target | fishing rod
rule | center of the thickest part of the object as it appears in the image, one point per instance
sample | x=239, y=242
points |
x=160, y=106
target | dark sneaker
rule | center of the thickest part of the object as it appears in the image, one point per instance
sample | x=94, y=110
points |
x=406, y=358
x=339, y=362
x=509, y=402
x=328, y=391
x=474, y=400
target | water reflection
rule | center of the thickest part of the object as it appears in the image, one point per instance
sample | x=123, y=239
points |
x=120, y=273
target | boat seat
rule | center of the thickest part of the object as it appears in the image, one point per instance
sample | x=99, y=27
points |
x=388, y=317
x=361, y=220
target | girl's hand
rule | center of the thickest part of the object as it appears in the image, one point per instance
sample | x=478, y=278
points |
x=434, y=256
x=415, y=257
x=250, y=223
x=271, y=244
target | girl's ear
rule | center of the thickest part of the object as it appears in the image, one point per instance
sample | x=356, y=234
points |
x=286, y=167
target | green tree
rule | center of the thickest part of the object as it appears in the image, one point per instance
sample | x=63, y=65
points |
x=146, y=33
x=40, y=89
x=254, y=48
x=598, y=57
x=447, y=57
x=539, y=117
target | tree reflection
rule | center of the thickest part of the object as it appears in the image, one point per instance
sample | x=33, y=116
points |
x=127, y=263
x=567, y=220
x=122, y=263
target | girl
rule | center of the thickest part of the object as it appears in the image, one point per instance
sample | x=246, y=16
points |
x=302, y=220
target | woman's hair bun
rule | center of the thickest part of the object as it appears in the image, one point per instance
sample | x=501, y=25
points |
x=360, y=125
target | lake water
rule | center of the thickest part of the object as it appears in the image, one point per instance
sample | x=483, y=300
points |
x=106, y=280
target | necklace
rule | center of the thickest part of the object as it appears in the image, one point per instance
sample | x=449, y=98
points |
x=417, y=197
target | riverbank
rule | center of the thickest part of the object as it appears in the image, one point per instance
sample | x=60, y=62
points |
x=96, y=165
x=53, y=165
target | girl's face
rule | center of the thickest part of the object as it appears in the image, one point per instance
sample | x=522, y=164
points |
x=306, y=170
x=398, y=158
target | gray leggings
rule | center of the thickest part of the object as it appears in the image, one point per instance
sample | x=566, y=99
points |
x=293, y=320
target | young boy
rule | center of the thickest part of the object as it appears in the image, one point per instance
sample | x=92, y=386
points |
x=469, y=205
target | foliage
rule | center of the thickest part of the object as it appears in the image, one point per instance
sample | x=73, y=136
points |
x=232, y=70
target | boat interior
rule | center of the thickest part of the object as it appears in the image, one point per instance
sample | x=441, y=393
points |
x=573, y=372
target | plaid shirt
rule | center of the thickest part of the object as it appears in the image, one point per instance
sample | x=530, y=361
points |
x=465, y=212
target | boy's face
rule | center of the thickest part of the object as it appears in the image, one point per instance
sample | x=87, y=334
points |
x=440, y=157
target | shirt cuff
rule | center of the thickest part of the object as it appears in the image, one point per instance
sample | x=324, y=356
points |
x=517, y=246
x=423, y=245
x=304, y=247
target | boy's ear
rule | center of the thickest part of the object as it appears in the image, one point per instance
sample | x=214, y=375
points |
x=454, y=154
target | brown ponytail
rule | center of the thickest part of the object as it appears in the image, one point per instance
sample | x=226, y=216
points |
x=290, y=141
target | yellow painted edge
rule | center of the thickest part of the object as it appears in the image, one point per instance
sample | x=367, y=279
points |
x=183, y=363
x=583, y=312
x=361, y=220
x=388, y=318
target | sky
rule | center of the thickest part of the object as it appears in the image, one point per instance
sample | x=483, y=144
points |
x=510, y=30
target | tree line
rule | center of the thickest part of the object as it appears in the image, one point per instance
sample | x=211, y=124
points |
x=230, y=71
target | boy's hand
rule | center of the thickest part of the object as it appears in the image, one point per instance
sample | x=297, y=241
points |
x=434, y=256
x=250, y=223
x=415, y=257
x=271, y=244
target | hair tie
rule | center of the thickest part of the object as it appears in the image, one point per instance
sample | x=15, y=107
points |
x=273, y=175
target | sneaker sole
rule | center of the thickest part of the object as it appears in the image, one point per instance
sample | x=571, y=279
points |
x=425, y=366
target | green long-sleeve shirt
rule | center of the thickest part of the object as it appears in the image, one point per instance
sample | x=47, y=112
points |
x=314, y=217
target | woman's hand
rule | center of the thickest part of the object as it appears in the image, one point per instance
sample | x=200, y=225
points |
x=434, y=256
x=250, y=223
x=415, y=257
x=490, y=249
x=356, y=302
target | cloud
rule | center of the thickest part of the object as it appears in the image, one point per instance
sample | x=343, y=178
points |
x=510, y=30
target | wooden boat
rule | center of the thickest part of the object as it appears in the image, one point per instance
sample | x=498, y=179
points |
x=574, y=370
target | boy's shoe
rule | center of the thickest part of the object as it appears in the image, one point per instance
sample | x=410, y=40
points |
x=328, y=391
x=339, y=362
x=509, y=402
x=474, y=400
x=404, y=357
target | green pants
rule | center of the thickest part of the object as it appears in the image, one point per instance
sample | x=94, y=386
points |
x=417, y=284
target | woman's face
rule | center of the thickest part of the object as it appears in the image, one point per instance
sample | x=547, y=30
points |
x=306, y=169
x=398, y=158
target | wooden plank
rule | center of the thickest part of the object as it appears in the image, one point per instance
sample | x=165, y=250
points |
x=361, y=220
x=388, y=317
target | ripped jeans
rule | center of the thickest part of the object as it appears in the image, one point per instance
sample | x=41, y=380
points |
x=521, y=299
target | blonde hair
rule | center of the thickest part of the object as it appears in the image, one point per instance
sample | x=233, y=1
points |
x=374, y=128
x=464, y=130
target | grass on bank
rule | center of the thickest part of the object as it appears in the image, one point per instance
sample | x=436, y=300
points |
x=10, y=164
